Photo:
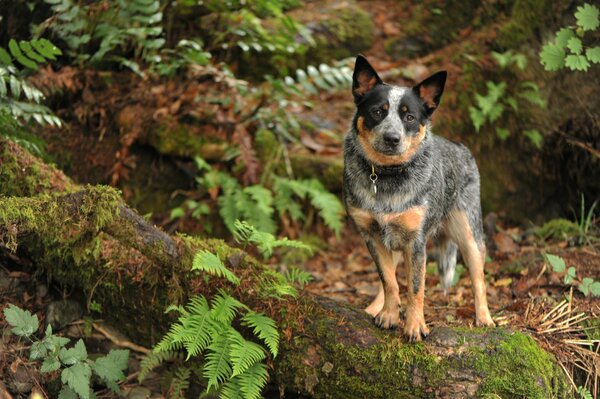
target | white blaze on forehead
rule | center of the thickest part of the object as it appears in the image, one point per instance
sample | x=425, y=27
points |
x=396, y=95
x=392, y=121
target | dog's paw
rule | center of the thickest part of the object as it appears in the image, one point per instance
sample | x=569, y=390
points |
x=415, y=329
x=387, y=319
x=483, y=319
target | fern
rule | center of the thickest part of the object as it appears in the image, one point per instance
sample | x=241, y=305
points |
x=274, y=285
x=328, y=205
x=325, y=77
x=296, y=276
x=210, y=263
x=217, y=368
x=154, y=359
x=180, y=383
x=232, y=365
x=265, y=328
x=253, y=380
x=265, y=242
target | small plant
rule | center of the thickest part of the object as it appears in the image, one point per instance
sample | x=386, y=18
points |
x=499, y=99
x=569, y=48
x=584, y=393
x=587, y=286
x=265, y=242
x=21, y=103
x=76, y=369
x=233, y=367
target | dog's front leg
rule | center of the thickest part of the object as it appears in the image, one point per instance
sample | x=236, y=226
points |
x=389, y=315
x=414, y=258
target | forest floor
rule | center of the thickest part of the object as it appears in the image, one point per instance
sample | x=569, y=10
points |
x=523, y=292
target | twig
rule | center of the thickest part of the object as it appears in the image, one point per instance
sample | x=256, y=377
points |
x=120, y=342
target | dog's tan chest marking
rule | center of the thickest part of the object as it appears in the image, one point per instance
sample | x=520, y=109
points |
x=394, y=230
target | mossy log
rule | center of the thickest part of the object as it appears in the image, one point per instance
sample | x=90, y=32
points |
x=87, y=239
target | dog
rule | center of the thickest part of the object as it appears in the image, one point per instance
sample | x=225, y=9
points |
x=404, y=186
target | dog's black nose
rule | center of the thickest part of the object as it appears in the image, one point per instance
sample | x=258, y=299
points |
x=391, y=138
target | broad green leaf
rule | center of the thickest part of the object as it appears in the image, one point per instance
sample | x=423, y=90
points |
x=477, y=117
x=552, y=57
x=28, y=50
x=563, y=36
x=587, y=17
x=556, y=262
x=586, y=285
x=577, y=62
x=50, y=364
x=177, y=213
x=76, y=354
x=110, y=367
x=574, y=44
x=66, y=392
x=595, y=288
x=77, y=377
x=593, y=54
x=23, y=323
x=38, y=350
x=570, y=276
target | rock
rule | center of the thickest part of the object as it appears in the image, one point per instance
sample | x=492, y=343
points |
x=61, y=313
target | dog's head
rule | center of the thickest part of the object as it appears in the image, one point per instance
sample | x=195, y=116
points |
x=391, y=121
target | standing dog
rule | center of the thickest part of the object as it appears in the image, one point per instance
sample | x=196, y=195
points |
x=402, y=186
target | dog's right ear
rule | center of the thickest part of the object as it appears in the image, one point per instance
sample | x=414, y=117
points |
x=364, y=78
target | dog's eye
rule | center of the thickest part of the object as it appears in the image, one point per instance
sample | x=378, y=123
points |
x=377, y=113
x=409, y=118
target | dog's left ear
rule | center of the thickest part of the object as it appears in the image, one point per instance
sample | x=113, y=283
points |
x=430, y=90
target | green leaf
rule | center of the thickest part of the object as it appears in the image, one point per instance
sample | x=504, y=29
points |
x=38, y=350
x=253, y=381
x=535, y=137
x=177, y=213
x=224, y=308
x=77, y=377
x=210, y=263
x=5, y=58
x=23, y=323
x=574, y=44
x=217, y=368
x=15, y=50
x=563, y=36
x=67, y=393
x=502, y=133
x=587, y=17
x=593, y=54
x=477, y=117
x=50, y=364
x=595, y=288
x=556, y=262
x=552, y=57
x=244, y=354
x=28, y=50
x=264, y=328
x=577, y=62
x=76, y=354
x=570, y=276
x=586, y=285
x=110, y=367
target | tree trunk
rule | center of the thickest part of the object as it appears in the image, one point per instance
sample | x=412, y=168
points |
x=87, y=238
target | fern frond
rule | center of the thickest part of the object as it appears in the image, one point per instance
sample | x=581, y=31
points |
x=264, y=328
x=224, y=308
x=211, y=264
x=179, y=383
x=329, y=206
x=154, y=359
x=173, y=340
x=253, y=380
x=217, y=368
x=295, y=275
x=244, y=354
x=201, y=328
x=231, y=389
x=265, y=242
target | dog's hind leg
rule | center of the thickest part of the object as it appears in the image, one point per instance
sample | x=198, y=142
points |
x=375, y=307
x=461, y=230
x=389, y=314
x=447, y=250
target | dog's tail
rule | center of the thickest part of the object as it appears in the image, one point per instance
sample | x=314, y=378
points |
x=446, y=262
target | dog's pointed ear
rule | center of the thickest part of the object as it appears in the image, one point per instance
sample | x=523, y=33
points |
x=364, y=78
x=430, y=90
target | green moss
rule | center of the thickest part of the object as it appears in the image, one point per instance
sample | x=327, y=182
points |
x=517, y=367
x=183, y=140
x=560, y=229
x=527, y=16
